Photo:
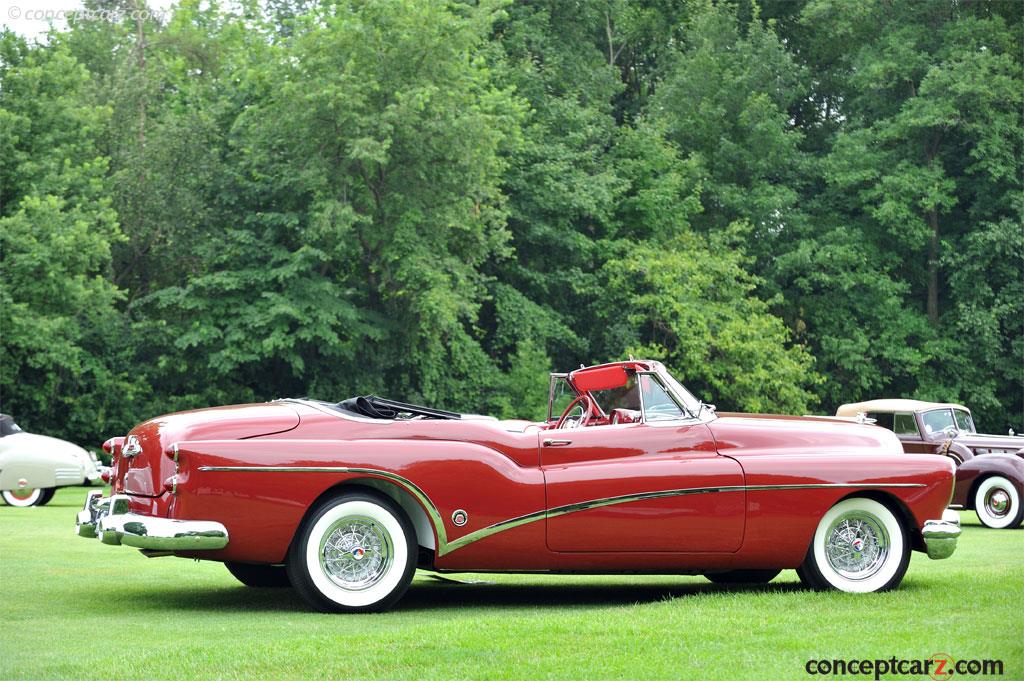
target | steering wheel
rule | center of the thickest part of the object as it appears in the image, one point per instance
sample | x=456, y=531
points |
x=586, y=403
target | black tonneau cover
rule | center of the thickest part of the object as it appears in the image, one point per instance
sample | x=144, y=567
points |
x=375, y=407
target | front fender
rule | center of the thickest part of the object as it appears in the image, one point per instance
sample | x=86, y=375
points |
x=40, y=461
x=972, y=472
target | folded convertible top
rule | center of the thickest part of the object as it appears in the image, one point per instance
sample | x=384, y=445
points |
x=375, y=407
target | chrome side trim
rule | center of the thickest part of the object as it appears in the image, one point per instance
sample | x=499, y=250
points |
x=444, y=546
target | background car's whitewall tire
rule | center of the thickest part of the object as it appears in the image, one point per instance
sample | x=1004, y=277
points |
x=997, y=503
x=859, y=546
x=356, y=552
x=24, y=497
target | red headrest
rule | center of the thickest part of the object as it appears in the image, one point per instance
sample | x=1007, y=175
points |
x=599, y=378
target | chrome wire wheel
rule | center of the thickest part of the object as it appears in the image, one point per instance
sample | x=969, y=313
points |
x=356, y=552
x=857, y=545
x=860, y=546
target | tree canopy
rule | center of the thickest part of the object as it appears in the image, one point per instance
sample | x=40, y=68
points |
x=793, y=204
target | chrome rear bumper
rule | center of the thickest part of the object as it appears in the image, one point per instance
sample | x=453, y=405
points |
x=940, y=535
x=108, y=519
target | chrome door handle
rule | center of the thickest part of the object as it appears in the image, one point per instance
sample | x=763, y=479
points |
x=556, y=443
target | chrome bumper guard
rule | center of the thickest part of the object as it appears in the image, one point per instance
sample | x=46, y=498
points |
x=940, y=535
x=108, y=519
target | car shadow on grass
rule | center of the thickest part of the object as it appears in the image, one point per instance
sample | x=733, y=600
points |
x=427, y=595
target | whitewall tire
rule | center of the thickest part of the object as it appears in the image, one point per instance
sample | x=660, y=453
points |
x=24, y=497
x=860, y=546
x=997, y=503
x=355, y=552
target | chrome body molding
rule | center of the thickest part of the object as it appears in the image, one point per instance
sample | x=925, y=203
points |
x=445, y=546
x=109, y=520
x=940, y=536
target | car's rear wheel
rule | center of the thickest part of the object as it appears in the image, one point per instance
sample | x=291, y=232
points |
x=24, y=497
x=997, y=503
x=356, y=552
x=261, y=576
x=859, y=546
x=743, y=576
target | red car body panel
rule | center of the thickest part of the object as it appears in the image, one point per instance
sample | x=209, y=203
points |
x=722, y=492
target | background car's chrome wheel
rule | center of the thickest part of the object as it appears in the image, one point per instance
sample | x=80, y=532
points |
x=997, y=503
x=356, y=552
x=859, y=546
x=23, y=497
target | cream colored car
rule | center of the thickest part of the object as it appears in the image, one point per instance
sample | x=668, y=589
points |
x=33, y=466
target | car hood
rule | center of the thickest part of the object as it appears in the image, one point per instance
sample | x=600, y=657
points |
x=1011, y=443
x=751, y=434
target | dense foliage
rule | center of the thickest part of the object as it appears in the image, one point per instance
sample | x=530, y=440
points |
x=792, y=204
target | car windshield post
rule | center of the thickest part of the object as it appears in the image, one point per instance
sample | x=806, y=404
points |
x=556, y=380
x=654, y=382
x=682, y=396
x=964, y=421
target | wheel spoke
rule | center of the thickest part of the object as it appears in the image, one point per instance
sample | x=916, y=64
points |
x=356, y=552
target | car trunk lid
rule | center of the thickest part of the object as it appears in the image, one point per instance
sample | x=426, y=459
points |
x=143, y=466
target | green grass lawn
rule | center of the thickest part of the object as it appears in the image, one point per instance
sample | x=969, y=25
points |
x=74, y=608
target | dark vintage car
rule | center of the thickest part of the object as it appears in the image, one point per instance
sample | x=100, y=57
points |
x=629, y=473
x=990, y=468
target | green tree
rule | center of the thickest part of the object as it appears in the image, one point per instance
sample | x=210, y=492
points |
x=61, y=359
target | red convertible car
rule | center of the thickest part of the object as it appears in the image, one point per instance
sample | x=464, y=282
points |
x=630, y=473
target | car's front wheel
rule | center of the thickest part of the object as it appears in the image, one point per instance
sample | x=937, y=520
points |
x=997, y=503
x=28, y=496
x=261, y=576
x=356, y=552
x=859, y=546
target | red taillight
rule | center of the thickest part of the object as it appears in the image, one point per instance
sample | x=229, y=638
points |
x=113, y=445
x=105, y=476
x=171, y=484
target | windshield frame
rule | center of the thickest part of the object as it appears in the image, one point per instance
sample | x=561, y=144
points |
x=970, y=420
x=684, y=398
x=933, y=432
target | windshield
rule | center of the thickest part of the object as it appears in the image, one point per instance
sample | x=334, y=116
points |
x=658, y=404
x=937, y=420
x=964, y=421
x=689, y=402
x=561, y=395
x=8, y=426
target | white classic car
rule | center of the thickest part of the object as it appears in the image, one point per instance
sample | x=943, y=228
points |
x=33, y=466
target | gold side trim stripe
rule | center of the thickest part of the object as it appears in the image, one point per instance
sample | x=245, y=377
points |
x=444, y=546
